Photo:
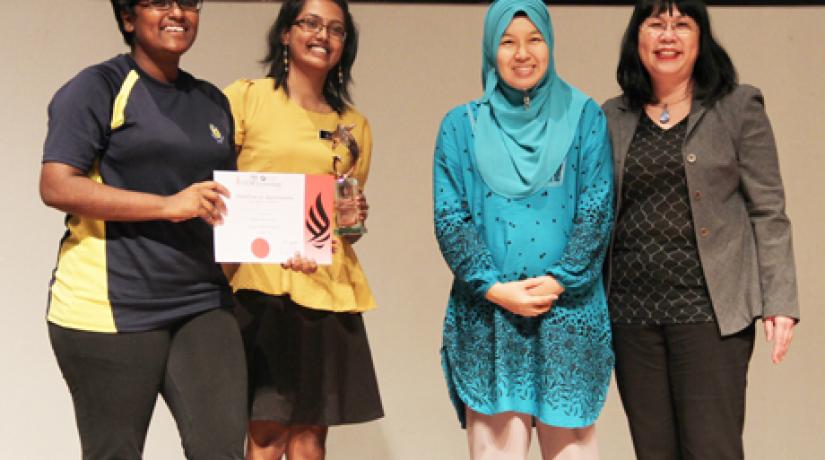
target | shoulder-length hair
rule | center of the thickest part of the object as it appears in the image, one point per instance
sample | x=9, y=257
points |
x=714, y=75
x=336, y=93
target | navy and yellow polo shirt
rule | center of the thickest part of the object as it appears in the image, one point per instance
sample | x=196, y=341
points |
x=128, y=130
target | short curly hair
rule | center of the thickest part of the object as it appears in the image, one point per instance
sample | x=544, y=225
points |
x=128, y=6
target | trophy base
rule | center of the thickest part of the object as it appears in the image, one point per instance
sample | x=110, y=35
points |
x=350, y=231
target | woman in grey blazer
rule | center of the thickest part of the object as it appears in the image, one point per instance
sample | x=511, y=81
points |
x=702, y=245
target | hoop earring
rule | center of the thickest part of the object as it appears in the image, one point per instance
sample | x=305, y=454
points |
x=340, y=75
x=286, y=60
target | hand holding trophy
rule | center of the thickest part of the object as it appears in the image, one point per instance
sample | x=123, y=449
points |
x=349, y=215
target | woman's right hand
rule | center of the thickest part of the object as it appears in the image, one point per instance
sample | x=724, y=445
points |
x=306, y=265
x=515, y=297
x=202, y=199
x=297, y=263
x=546, y=284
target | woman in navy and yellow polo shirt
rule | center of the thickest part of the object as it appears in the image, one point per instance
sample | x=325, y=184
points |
x=137, y=305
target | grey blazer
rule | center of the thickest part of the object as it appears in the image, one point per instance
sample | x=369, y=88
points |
x=737, y=201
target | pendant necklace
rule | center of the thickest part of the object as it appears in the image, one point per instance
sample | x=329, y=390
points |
x=664, y=117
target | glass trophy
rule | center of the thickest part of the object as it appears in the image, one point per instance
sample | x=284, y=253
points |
x=347, y=219
x=347, y=209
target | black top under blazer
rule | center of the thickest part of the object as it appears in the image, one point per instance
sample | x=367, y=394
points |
x=737, y=202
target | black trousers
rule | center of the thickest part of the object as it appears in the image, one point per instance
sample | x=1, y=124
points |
x=683, y=389
x=198, y=367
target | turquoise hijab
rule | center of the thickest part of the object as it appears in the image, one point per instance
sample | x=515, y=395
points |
x=519, y=149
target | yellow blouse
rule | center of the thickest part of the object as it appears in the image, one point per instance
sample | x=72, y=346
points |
x=276, y=135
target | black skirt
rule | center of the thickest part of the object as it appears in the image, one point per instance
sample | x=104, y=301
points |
x=306, y=367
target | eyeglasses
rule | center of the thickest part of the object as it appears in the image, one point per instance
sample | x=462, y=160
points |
x=186, y=5
x=314, y=24
x=681, y=26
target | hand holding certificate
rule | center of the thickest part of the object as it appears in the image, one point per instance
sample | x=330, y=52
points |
x=270, y=217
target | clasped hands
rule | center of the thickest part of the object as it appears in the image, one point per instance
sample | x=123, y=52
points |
x=530, y=297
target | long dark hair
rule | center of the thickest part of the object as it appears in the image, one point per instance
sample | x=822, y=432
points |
x=714, y=75
x=336, y=94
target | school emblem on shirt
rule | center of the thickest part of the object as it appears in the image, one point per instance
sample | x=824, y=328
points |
x=216, y=133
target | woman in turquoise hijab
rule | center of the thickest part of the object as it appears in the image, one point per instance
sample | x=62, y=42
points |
x=523, y=212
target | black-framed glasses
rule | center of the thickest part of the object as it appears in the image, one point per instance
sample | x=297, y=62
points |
x=314, y=24
x=186, y=5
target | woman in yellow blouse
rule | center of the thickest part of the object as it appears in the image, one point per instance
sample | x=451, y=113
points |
x=307, y=352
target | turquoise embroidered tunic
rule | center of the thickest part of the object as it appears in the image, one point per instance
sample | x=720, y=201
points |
x=556, y=366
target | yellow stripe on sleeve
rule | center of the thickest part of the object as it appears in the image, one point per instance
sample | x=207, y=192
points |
x=119, y=107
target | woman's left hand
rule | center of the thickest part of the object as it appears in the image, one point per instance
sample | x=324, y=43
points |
x=779, y=330
x=363, y=209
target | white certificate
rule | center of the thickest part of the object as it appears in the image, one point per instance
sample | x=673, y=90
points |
x=270, y=217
